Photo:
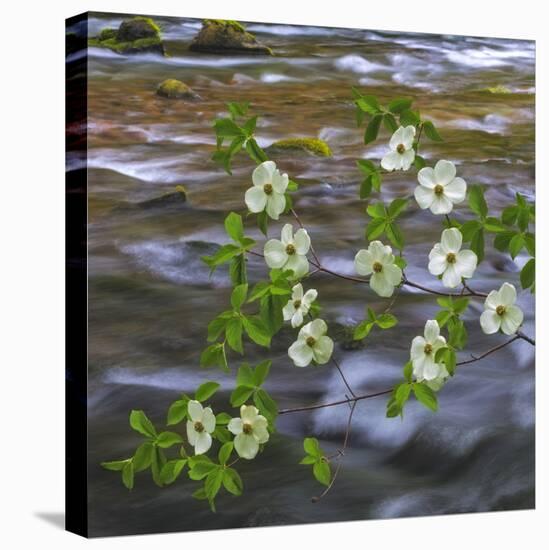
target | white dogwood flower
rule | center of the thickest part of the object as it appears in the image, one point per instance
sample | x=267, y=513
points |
x=290, y=252
x=250, y=431
x=379, y=261
x=200, y=426
x=448, y=260
x=312, y=344
x=402, y=153
x=437, y=383
x=268, y=190
x=422, y=353
x=298, y=306
x=438, y=188
x=500, y=311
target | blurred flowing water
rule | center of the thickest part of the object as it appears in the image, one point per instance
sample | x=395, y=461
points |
x=150, y=297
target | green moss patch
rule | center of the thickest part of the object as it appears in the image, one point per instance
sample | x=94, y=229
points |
x=175, y=89
x=314, y=146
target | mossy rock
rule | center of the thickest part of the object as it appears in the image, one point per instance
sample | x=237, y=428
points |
x=136, y=35
x=226, y=37
x=175, y=89
x=344, y=336
x=313, y=146
x=176, y=198
x=499, y=89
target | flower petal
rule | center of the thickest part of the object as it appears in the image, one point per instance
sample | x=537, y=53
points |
x=490, y=321
x=418, y=365
x=297, y=292
x=261, y=433
x=287, y=234
x=279, y=182
x=507, y=294
x=298, y=264
x=202, y=443
x=466, y=263
x=322, y=350
x=248, y=413
x=302, y=241
x=263, y=174
x=424, y=196
x=408, y=136
x=456, y=190
x=309, y=297
x=364, y=262
x=275, y=253
x=391, y=161
x=407, y=159
x=246, y=446
x=431, y=331
x=288, y=310
x=417, y=348
x=255, y=199
x=397, y=138
x=195, y=410
x=441, y=205
x=208, y=420
x=451, y=240
x=451, y=277
x=445, y=172
x=426, y=177
x=317, y=328
x=437, y=262
x=431, y=370
x=276, y=204
x=492, y=300
x=300, y=353
x=235, y=426
x=191, y=432
x=297, y=318
x=393, y=274
x=381, y=285
x=511, y=319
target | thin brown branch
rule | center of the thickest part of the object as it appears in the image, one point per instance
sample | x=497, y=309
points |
x=343, y=377
x=525, y=337
x=341, y=454
x=298, y=219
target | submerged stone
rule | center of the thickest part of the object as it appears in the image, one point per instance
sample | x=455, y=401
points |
x=176, y=198
x=313, y=146
x=175, y=89
x=226, y=37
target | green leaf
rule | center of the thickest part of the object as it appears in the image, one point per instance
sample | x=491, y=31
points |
x=530, y=243
x=386, y=320
x=312, y=447
x=115, y=465
x=232, y=481
x=372, y=129
x=400, y=262
x=426, y=396
x=468, y=229
x=402, y=393
x=222, y=419
x=234, y=226
x=214, y=356
x=477, y=244
x=362, y=330
x=238, y=296
x=431, y=132
x=528, y=273
x=171, y=470
x=397, y=106
x=477, y=202
x=199, y=469
x=419, y=162
x=237, y=270
x=206, y=390
x=213, y=483
x=457, y=333
x=366, y=166
x=409, y=118
x=254, y=150
x=143, y=456
x=408, y=371
x=224, y=254
x=140, y=423
x=226, y=128
x=238, y=109
x=240, y=395
x=322, y=473
x=516, y=244
x=266, y=405
x=390, y=122
x=245, y=376
x=261, y=372
x=368, y=104
x=395, y=235
x=375, y=228
x=233, y=333
x=366, y=188
x=216, y=327
x=443, y=317
x=225, y=452
x=308, y=460
x=509, y=215
x=376, y=210
x=493, y=225
x=396, y=207
x=165, y=440
x=256, y=331
x=157, y=463
x=263, y=222
x=127, y=475
x=502, y=240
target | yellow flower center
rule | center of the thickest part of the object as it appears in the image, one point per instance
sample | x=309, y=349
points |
x=199, y=427
x=500, y=310
x=428, y=349
x=297, y=304
x=268, y=188
x=451, y=258
x=290, y=249
x=438, y=189
x=377, y=267
x=247, y=428
x=311, y=341
x=401, y=148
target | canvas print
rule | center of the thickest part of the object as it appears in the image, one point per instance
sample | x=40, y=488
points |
x=300, y=273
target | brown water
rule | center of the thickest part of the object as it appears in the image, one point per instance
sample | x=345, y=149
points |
x=151, y=298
